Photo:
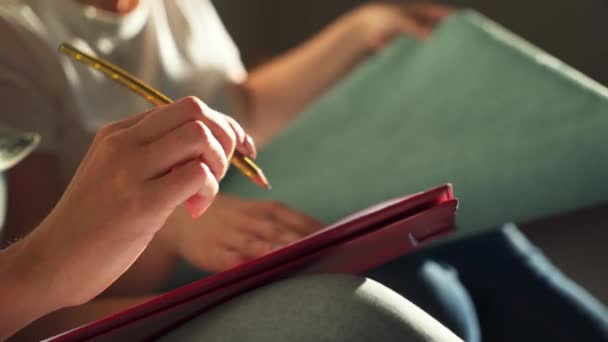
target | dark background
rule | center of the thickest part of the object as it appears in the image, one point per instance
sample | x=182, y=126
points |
x=574, y=31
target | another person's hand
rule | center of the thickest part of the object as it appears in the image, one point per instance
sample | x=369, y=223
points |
x=235, y=230
x=378, y=23
x=136, y=173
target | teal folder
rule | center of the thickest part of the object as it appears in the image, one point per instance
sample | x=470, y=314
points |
x=519, y=134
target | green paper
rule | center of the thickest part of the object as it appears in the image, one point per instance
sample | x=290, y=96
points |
x=520, y=135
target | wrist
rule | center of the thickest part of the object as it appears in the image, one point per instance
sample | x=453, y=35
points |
x=24, y=287
x=36, y=266
x=360, y=31
x=168, y=238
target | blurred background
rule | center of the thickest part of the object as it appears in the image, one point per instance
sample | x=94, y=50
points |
x=573, y=31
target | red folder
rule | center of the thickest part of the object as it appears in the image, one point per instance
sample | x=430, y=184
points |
x=355, y=244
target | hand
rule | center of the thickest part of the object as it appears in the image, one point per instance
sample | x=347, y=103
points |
x=235, y=230
x=378, y=23
x=135, y=174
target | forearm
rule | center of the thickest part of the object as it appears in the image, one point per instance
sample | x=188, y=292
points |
x=154, y=267
x=38, y=280
x=69, y=318
x=25, y=293
x=277, y=91
x=150, y=272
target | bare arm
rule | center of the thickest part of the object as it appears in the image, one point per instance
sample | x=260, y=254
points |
x=34, y=189
x=70, y=318
x=28, y=294
x=277, y=91
x=95, y=233
x=274, y=93
x=150, y=272
x=23, y=291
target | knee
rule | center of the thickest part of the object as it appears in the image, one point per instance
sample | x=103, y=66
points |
x=349, y=308
x=316, y=308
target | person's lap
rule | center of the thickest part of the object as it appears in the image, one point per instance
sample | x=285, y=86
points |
x=496, y=286
x=315, y=308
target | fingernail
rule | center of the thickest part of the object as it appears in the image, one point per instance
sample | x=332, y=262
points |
x=250, y=147
x=194, y=212
x=196, y=206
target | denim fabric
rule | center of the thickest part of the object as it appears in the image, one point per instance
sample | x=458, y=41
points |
x=498, y=287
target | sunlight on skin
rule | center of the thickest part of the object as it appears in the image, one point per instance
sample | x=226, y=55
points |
x=114, y=6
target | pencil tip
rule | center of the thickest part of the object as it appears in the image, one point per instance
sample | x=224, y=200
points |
x=262, y=181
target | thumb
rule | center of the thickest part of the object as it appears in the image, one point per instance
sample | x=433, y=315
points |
x=192, y=182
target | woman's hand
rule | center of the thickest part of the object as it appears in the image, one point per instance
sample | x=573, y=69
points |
x=135, y=174
x=235, y=230
x=378, y=23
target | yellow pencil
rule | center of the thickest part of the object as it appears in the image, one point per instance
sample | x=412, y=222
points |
x=240, y=161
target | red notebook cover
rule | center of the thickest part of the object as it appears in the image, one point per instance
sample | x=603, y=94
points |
x=354, y=245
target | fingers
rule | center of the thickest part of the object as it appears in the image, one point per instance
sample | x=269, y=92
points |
x=230, y=134
x=419, y=20
x=126, y=123
x=162, y=121
x=185, y=181
x=432, y=13
x=188, y=129
x=248, y=246
x=216, y=258
x=296, y=221
x=414, y=28
x=192, y=140
x=271, y=230
x=245, y=143
x=223, y=131
x=228, y=258
x=278, y=224
x=167, y=118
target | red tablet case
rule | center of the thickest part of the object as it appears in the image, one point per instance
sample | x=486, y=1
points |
x=356, y=244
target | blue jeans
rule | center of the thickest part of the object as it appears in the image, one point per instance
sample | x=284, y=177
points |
x=499, y=287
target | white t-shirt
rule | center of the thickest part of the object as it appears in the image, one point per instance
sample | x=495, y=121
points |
x=178, y=46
